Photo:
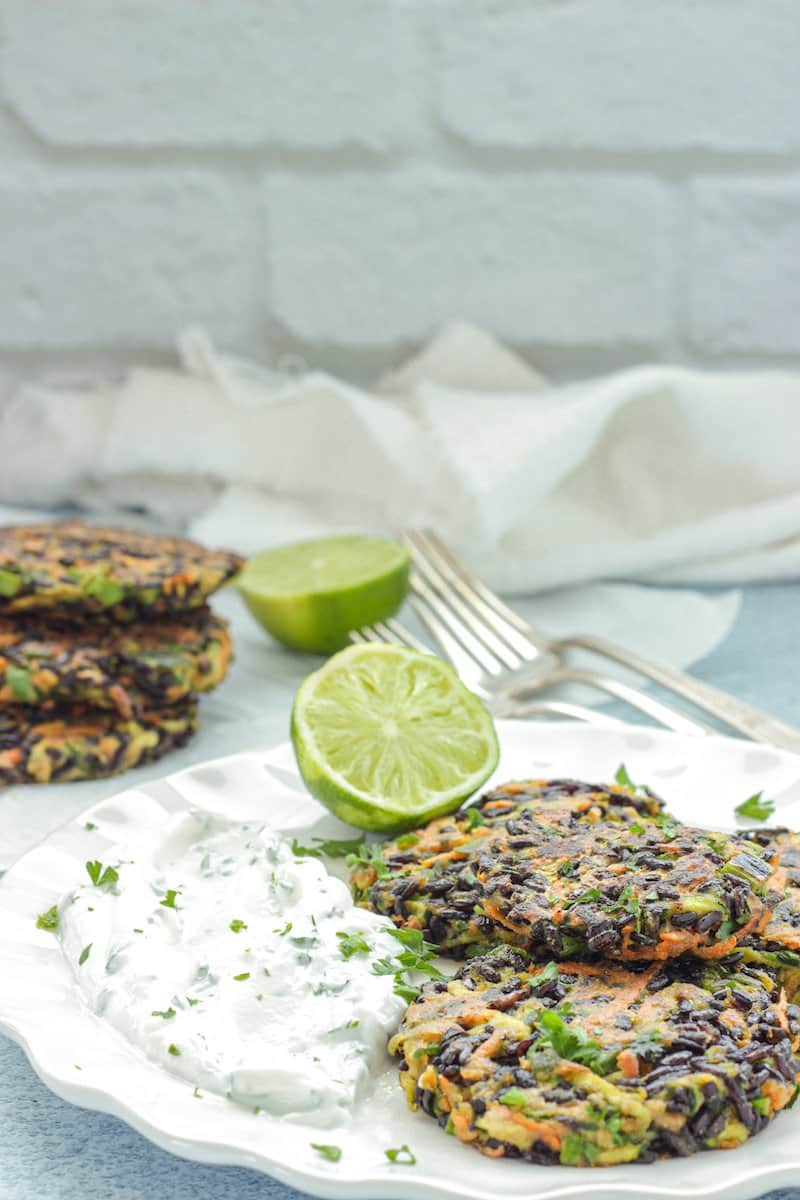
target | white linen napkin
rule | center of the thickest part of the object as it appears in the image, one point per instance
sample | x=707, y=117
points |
x=651, y=474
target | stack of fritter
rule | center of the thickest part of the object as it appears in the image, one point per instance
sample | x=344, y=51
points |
x=629, y=988
x=105, y=641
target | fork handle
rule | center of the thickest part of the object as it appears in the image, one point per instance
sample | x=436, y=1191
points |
x=750, y=721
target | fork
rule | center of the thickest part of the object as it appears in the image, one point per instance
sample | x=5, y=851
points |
x=443, y=588
x=506, y=665
x=392, y=631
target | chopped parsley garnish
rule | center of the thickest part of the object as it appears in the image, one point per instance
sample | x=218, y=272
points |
x=347, y=1025
x=90, y=825
x=430, y=1049
x=169, y=899
x=755, y=808
x=191, y=1001
x=586, y=897
x=198, y=1095
x=669, y=829
x=474, y=817
x=236, y=926
x=352, y=943
x=85, y=952
x=167, y=1014
x=406, y=841
x=575, y=1148
x=635, y=827
x=622, y=777
x=173, y=1050
x=546, y=975
x=368, y=856
x=244, y=975
x=630, y=903
x=329, y=847
x=416, y=956
x=48, y=920
x=401, y=1155
x=286, y=929
x=514, y=1098
x=21, y=684
x=101, y=876
x=331, y=1153
x=573, y=1044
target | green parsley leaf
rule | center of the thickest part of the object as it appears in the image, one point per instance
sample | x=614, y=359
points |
x=198, y=1095
x=546, y=975
x=236, y=926
x=169, y=900
x=635, y=827
x=191, y=1002
x=167, y=1014
x=244, y=975
x=622, y=777
x=85, y=952
x=331, y=1153
x=101, y=876
x=10, y=582
x=368, y=856
x=286, y=929
x=173, y=1050
x=90, y=825
x=474, y=817
x=406, y=991
x=406, y=841
x=21, y=684
x=327, y=847
x=107, y=591
x=352, y=943
x=755, y=808
x=429, y=1050
x=586, y=897
x=573, y=1044
x=401, y=1155
x=48, y=920
x=514, y=1098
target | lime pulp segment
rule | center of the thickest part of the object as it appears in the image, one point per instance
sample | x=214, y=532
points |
x=387, y=737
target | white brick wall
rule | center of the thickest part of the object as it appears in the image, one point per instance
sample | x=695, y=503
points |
x=598, y=181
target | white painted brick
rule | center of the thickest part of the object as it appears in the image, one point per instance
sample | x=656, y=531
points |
x=306, y=73
x=622, y=74
x=104, y=259
x=359, y=259
x=744, y=257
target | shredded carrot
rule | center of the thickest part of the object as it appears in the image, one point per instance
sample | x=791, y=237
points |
x=544, y=1132
x=462, y=1128
x=628, y=1063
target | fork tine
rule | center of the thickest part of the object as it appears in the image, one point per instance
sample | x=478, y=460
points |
x=425, y=545
x=427, y=568
x=473, y=646
x=562, y=708
x=466, y=666
x=392, y=631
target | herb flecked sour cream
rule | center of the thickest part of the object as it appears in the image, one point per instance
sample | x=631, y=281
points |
x=238, y=966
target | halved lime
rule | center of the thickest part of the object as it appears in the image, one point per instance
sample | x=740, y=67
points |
x=388, y=738
x=309, y=595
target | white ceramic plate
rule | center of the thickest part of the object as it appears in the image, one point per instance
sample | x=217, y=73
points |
x=84, y=1061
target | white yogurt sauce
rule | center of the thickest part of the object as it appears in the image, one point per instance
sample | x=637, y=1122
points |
x=241, y=988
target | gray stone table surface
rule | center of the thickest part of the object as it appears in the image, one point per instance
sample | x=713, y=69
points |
x=50, y=1150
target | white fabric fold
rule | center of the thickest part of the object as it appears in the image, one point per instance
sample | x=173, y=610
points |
x=652, y=474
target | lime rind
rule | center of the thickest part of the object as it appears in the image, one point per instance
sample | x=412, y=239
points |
x=309, y=595
x=388, y=738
